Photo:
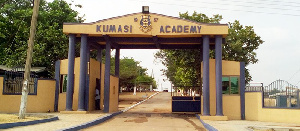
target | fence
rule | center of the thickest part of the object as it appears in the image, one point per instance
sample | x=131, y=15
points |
x=254, y=87
x=13, y=82
x=281, y=94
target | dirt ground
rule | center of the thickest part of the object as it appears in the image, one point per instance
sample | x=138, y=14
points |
x=126, y=99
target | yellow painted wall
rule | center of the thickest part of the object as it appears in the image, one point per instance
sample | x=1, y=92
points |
x=252, y=104
x=254, y=111
x=229, y=68
x=62, y=96
x=42, y=102
x=62, y=101
x=94, y=71
x=114, y=94
x=212, y=87
x=232, y=107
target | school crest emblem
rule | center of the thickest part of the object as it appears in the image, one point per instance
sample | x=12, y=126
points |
x=145, y=23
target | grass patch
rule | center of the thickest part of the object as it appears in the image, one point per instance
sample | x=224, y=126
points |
x=12, y=118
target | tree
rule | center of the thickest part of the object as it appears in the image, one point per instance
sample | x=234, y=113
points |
x=131, y=74
x=29, y=59
x=50, y=44
x=183, y=66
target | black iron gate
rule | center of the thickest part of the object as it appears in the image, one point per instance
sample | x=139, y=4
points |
x=186, y=99
x=13, y=82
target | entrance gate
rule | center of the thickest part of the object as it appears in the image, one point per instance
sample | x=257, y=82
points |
x=143, y=31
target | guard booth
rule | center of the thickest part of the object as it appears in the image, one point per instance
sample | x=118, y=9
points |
x=147, y=30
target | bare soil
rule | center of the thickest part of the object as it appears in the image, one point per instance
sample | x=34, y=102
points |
x=126, y=99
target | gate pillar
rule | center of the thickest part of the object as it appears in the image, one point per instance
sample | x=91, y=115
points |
x=218, y=63
x=206, y=109
x=107, y=74
x=70, y=82
x=83, y=71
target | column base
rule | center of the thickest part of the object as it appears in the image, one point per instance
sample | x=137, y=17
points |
x=213, y=118
x=73, y=112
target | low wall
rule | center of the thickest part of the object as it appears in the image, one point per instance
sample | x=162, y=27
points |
x=42, y=102
x=254, y=111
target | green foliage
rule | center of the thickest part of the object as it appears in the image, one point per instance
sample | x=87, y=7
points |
x=50, y=44
x=184, y=66
x=131, y=73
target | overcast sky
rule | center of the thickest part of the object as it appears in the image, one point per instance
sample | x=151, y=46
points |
x=276, y=21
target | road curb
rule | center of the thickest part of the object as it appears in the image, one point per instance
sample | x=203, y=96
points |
x=128, y=108
x=91, y=123
x=207, y=126
x=103, y=118
x=26, y=123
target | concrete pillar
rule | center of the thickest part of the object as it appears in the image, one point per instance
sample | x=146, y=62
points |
x=87, y=88
x=117, y=63
x=206, y=108
x=57, y=76
x=107, y=76
x=82, y=74
x=218, y=53
x=99, y=55
x=242, y=89
x=70, y=82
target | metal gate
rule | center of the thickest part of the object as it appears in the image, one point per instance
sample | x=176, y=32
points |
x=186, y=99
x=13, y=82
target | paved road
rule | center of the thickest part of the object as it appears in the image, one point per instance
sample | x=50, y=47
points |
x=154, y=114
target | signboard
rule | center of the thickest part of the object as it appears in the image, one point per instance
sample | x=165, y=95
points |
x=140, y=24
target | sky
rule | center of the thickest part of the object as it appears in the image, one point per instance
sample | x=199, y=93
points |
x=277, y=22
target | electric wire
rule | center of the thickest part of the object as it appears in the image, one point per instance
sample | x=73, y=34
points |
x=247, y=6
x=216, y=8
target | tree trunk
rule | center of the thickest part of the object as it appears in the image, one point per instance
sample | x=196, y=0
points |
x=29, y=59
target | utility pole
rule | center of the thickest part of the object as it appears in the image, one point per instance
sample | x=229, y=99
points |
x=29, y=59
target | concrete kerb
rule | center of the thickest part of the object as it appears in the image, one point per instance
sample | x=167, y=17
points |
x=26, y=123
x=140, y=102
x=207, y=126
x=103, y=118
x=92, y=123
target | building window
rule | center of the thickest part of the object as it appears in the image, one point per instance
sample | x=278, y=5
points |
x=230, y=85
x=63, y=83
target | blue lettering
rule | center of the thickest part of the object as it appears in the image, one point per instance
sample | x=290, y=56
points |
x=126, y=28
x=130, y=28
x=167, y=27
x=179, y=28
x=199, y=28
x=120, y=28
x=105, y=30
x=193, y=29
x=162, y=29
x=186, y=29
x=112, y=28
x=174, y=29
x=98, y=28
